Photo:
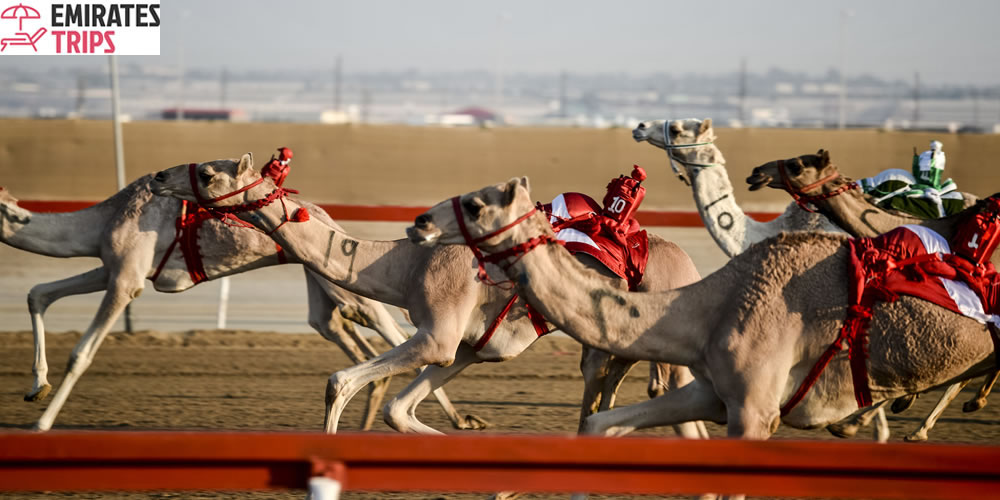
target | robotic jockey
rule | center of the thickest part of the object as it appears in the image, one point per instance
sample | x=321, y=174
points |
x=922, y=193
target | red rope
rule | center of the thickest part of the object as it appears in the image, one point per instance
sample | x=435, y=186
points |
x=800, y=196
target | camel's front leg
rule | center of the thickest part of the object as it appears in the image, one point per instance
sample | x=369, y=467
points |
x=122, y=289
x=849, y=426
x=593, y=366
x=401, y=411
x=333, y=327
x=949, y=394
x=39, y=299
x=979, y=401
x=420, y=350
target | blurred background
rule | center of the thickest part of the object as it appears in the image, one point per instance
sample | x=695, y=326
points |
x=397, y=103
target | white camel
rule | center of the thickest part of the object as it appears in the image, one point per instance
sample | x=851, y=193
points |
x=451, y=308
x=751, y=332
x=131, y=232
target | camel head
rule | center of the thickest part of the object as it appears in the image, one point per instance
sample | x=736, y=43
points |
x=213, y=180
x=801, y=172
x=687, y=142
x=483, y=212
x=10, y=212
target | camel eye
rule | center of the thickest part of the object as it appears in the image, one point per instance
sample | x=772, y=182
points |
x=472, y=208
x=206, y=177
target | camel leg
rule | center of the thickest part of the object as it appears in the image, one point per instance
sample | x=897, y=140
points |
x=122, y=289
x=39, y=299
x=400, y=412
x=338, y=330
x=420, y=350
x=593, y=366
x=949, y=394
x=658, y=374
x=695, y=401
x=979, y=401
x=849, y=426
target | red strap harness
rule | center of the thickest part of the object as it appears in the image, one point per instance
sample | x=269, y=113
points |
x=519, y=250
x=800, y=196
x=188, y=223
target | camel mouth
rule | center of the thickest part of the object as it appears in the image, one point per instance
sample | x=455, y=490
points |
x=639, y=135
x=423, y=237
x=758, y=180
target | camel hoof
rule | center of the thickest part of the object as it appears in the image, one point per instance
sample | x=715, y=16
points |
x=45, y=390
x=843, y=430
x=903, y=403
x=974, y=405
x=916, y=437
x=472, y=422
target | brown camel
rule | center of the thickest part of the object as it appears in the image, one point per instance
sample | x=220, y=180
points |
x=817, y=180
x=450, y=307
x=131, y=232
x=750, y=332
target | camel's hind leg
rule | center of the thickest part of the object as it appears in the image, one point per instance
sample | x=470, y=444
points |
x=978, y=402
x=670, y=378
x=338, y=330
x=949, y=394
x=122, y=289
x=400, y=412
x=695, y=401
x=40, y=298
x=602, y=375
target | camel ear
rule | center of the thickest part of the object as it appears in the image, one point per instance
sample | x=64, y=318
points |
x=705, y=126
x=510, y=190
x=246, y=161
x=824, y=158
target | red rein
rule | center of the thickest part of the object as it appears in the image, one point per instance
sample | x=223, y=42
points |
x=226, y=213
x=495, y=258
x=800, y=196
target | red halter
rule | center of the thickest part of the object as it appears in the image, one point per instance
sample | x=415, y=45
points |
x=495, y=258
x=227, y=213
x=800, y=196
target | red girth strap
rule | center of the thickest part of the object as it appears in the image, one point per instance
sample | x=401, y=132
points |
x=517, y=250
x=800, y=196
x=187, y=226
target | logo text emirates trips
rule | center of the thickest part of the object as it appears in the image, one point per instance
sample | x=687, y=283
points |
x=88, y=41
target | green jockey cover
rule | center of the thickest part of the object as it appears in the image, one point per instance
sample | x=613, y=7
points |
x=921, y=193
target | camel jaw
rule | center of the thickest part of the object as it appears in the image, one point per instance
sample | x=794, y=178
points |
x=423, y=237
x=758, y=180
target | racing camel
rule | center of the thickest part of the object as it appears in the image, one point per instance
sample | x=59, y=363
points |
x=751, y=332
x=132, y=233
x=454, y=311
x=815, y=179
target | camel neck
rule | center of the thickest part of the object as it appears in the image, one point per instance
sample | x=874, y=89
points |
x=599, y=312
x=852, y=212
x=68, y=234
x=379, y=270
x=729, y=226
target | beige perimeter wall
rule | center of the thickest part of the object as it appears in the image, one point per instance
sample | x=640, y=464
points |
x=398, y=165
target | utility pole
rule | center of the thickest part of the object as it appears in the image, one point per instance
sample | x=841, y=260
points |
x=562, y=94
x=223, y=88
x=842, y=114
x=116, y=122
x=743, y=90
x=916, y=98
x=975, y=107
x=337, y=68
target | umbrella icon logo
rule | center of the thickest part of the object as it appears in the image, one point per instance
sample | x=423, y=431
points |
x=21, y=12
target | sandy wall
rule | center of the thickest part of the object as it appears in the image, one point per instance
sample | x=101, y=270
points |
x=398, y=165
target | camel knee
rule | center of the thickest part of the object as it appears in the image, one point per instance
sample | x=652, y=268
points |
x=77, y=363
x=396, y=414
x=38, y=301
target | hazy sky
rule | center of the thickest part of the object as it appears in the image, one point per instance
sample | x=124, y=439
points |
x=948, y=42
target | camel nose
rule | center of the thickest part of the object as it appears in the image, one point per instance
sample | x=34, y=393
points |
x=422, y=221
x=160, y=176
x=641, y=126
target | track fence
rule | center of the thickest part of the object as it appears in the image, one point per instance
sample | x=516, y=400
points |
x=120, y=461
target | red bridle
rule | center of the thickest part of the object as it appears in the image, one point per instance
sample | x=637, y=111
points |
x=800, y=196
x=518, y=250
x=227, y=214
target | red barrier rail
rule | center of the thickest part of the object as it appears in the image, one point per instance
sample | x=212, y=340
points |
x=74, y=461
x=389, y=213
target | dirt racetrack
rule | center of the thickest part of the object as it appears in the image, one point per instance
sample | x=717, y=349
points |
x=240, y=380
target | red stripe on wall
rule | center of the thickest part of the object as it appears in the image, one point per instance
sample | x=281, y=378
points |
x=391, y=213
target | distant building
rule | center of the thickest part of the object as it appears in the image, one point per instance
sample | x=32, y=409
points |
x=226, y=115
x=471, y=116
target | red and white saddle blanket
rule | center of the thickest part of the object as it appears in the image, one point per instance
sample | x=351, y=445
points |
x=909, y=260
x=577, y=220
